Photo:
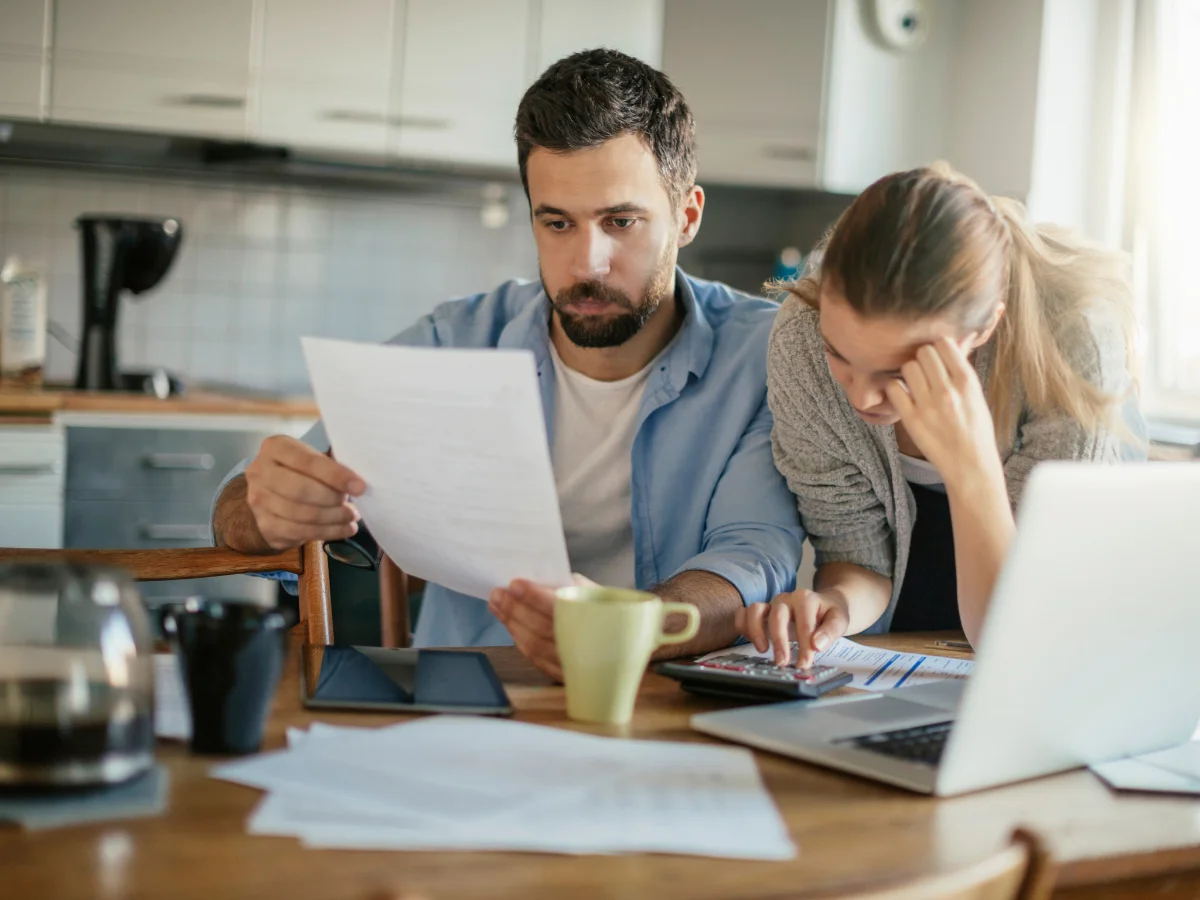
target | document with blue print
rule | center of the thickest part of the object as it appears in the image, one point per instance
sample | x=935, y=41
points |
x=452, y=446
x=873, y=668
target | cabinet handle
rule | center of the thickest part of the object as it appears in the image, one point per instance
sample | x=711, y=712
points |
x=176, y=533
x=354, y=115
x=790, y=153
x=428, y=123
x=209, y=101
x=30, y=468
x=191, y=461
x=373, y=118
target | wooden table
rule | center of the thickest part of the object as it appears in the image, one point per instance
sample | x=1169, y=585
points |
x=852, y=832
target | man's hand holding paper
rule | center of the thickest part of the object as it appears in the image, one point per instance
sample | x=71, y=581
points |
x=527, y=611
x=459, y=487
x=298, y=494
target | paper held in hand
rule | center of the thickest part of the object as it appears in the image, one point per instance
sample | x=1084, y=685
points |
x=452, y=447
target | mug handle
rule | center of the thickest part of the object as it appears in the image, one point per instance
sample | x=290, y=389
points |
x=689, y=630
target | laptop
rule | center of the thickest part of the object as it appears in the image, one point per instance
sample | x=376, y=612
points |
x=1088, y=652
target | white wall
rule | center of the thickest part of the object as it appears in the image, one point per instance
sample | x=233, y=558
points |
x=885, y=110
x=260, y=266
x=994, y=93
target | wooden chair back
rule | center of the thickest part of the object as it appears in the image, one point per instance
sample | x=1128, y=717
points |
x=308, y=563
x=1023, y=870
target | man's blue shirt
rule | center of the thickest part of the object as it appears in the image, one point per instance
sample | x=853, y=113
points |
x=705, y=494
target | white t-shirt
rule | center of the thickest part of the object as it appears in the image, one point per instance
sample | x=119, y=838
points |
x=922, y=472
x=594, y=426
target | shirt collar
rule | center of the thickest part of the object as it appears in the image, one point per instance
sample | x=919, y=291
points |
x=688, y=354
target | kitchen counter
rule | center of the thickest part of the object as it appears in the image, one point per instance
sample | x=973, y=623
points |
x=22, y=404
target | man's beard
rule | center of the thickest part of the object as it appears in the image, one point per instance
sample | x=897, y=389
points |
x=610, y=330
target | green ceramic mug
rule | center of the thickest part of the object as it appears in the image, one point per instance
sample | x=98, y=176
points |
x=605, y=637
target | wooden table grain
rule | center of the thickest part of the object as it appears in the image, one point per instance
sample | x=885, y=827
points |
x=852, y=833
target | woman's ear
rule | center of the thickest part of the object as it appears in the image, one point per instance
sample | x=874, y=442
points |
x=984, y=335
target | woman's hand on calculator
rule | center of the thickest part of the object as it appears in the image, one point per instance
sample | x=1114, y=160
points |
x=816, y=620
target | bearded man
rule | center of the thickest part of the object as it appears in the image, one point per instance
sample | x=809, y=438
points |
x=653, y=383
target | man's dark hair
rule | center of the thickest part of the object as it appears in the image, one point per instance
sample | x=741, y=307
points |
x=596, y=95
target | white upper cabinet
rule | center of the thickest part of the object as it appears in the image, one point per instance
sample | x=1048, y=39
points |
x=886, y=109
x=631, y=26
x=460, y=73
x=429, y=80
x=23, y=44
x=158, y=65
x=323, y=75
x=806, y=93
x=753, y=74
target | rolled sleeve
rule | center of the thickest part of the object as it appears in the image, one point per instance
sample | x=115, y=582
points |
x=314, y=437
x=753, y=537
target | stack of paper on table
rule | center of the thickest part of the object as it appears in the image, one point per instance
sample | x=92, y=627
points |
x=874, y=668
x=459, y=783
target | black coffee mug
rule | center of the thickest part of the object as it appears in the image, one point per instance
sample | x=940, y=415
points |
x=230, y=656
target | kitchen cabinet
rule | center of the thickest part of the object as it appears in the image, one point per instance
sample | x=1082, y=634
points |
x=125, y=471
x=149, y=482
x=31, y=485
x=801, y=93
x=23, y=47
x=461, y=68
x=885, y=109
x=156, y=65
x=631, y=26
x=427, y=80
x=322, y=80
x=463, y=65
x=753, y=74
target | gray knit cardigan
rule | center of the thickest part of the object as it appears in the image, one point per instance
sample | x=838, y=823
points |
x=853, y=498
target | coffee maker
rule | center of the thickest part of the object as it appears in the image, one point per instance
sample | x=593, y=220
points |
x=119, y=253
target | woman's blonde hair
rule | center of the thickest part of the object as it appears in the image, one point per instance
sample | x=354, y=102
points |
x=930, y=242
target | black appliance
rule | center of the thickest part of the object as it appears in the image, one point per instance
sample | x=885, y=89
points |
x=120, y=253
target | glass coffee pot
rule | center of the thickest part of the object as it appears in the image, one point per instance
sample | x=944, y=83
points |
x=76, y=676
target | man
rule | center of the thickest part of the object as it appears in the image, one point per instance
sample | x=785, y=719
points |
x=653, y=383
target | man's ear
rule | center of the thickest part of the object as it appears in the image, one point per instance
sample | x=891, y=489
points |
x=691, y=212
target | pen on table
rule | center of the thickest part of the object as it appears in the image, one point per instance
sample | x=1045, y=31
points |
x=953, y=645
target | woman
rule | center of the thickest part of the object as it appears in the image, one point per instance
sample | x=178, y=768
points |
x=941, y=347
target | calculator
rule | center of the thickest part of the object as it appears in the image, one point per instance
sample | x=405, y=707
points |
x=739, y=677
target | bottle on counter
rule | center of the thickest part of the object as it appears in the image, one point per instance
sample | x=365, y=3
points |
x=788, y=264
x=22, y=324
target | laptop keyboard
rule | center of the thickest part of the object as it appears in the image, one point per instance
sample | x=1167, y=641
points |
x=923, y=744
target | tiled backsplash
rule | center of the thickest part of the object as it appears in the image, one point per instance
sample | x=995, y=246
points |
x=261, y=266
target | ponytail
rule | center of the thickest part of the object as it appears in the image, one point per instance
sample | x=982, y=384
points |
x=1055, y=278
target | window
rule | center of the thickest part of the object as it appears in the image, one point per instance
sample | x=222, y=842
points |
x=1165, y=195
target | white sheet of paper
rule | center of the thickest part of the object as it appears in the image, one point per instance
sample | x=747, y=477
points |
x=874, y=668
x=1173, y=771
x=452, y=446
x=436, y=766
x=172, y=718
x=569, y=792
x=688, y=803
